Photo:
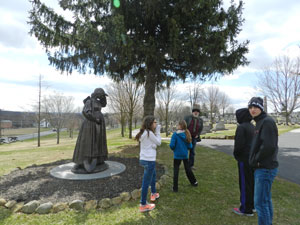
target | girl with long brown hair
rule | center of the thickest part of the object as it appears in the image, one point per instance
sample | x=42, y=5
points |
x=181, y=141
x=149, y=138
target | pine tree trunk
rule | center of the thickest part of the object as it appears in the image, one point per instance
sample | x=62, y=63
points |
x=167, y=121
x=130, y=124
x=149, y=99
x=122, y=129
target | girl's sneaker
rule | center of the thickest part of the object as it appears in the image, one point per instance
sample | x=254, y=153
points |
x=147, y=207
x=154, y=196
x=238, y=212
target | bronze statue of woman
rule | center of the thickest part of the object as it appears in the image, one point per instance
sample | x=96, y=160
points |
x=91, y=146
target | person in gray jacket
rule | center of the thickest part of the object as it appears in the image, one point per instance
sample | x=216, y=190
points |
x=195, y=126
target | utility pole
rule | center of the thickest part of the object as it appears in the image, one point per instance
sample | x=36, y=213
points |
x=39, y=113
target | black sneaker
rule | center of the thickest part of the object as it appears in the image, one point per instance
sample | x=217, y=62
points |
x=195, y=184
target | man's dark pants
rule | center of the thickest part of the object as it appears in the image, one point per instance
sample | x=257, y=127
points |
x=192, y=152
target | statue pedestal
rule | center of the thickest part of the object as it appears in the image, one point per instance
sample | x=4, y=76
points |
x=65, y=171
x=81, y=170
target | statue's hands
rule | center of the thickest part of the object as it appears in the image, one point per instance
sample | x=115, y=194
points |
x=98, y=121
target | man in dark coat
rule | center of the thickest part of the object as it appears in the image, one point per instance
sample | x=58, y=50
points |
x=263, y=158
x=195, y=126
x=242, y=144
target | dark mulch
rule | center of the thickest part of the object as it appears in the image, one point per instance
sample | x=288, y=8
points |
x=36, y=183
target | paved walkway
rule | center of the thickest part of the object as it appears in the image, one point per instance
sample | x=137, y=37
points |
x=288, y=155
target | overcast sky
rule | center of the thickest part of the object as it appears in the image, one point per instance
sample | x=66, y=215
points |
x=272, y=26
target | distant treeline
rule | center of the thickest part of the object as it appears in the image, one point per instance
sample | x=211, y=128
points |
x=29, y=119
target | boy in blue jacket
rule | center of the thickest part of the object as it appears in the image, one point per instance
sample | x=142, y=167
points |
x=181, y=141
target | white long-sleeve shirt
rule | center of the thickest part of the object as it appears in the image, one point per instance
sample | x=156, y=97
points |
x=148, y=145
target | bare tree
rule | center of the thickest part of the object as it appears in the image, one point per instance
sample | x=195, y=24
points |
x=125, y=100
x=281, y=85
x=230, y=110
x=133, y=97
x=212, y=99
x=39, y=110
x=204, y=110
x=195, y=93
x=138, y=114
x=37, y=106
x=180, y=111
x=74, y=121
x=116, y=94
x=57, y=107
x=166, y=100
x=224, y=102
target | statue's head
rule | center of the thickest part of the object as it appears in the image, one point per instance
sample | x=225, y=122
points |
x=100, y=95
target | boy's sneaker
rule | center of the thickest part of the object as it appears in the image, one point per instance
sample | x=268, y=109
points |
x=147, y=207
x=154, y=196
x=238, y=212
x=254, y=210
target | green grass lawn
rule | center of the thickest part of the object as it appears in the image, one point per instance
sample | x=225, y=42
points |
x=210, y=203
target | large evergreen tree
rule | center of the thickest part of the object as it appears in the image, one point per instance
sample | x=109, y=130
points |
x=153, y=41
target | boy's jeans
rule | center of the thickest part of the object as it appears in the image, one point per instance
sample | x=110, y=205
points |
x=262, y=195
x=149, y=178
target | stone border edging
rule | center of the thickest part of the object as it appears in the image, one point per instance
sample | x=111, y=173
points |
x=105, y=203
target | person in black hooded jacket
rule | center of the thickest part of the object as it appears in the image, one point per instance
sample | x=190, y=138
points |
x=263, y=158
x=242, y=144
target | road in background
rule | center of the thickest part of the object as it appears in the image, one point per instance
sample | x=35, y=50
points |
x=30, y=136
x=288, y=154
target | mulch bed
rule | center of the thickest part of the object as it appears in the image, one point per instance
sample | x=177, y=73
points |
x=36, y=183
